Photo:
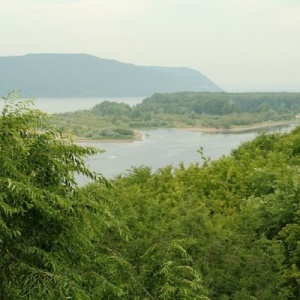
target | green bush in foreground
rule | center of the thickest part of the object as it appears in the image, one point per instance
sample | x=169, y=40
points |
x=59, y=241
x=47, y=228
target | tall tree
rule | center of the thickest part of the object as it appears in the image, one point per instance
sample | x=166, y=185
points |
x=46, y=226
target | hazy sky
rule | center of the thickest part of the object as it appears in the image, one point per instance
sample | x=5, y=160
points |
x=238, y=44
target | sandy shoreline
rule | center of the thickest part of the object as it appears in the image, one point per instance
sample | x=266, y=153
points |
x=235, y=129
x=238, y=129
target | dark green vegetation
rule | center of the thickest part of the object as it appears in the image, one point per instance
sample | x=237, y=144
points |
x=82, y=75
x=108, y=120
x=186, y=109
x=225, y=229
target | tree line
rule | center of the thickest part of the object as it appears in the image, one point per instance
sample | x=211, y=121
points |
x=180, y=110
x=221, y=103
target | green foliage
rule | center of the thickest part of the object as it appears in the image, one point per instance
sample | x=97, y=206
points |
x=87, y=124
x=48, y=227
x=220, y=103
x=224, y=229
x=234, y=222
x=59, y=241
x=108, y=108
x=185, y=109
x=160, y=267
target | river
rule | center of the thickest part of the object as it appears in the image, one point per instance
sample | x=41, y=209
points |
x=161, y=147
x=158, y=148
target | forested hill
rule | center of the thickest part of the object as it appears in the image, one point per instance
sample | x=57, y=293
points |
x=82, y=75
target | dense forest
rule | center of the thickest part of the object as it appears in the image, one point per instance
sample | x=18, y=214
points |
x=224, y=229
x=186, y=109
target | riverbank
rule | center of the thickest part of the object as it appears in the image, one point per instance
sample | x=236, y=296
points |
x=244, y=128
x=211, y=130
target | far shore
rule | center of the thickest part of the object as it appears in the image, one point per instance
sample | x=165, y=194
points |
x=233, y=129
x=239, y=129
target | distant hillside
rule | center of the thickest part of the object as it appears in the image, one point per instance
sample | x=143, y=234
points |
x=82, y=75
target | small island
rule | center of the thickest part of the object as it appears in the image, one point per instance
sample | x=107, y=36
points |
x=203, y=111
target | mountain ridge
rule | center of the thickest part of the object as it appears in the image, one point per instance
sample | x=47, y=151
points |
x=84, y=75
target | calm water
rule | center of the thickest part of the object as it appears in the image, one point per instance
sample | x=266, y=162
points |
x=58, y=105
x=157, y=149
x=163, y=147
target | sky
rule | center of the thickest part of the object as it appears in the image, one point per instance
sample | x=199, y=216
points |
x=239, y=44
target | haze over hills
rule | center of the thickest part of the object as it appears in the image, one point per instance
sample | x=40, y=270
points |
x=82, y=75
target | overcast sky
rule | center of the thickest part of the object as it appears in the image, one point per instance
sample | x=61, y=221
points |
x=239, y=44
